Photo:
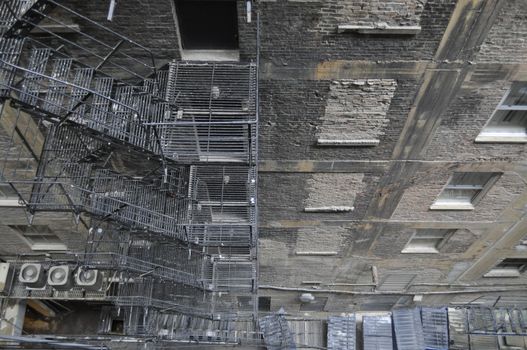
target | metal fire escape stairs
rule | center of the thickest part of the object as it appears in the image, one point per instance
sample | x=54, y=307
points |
x=162, y=162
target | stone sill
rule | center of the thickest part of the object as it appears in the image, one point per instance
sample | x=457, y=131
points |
x=452, y=206
x=419, y=251
x=348, y=143
x=502, y=273
x=376, y=30
x=13, y=203
x=48, y=247
x=332, y=209
x=482, y=138
x=210, y=55
x=316, y=253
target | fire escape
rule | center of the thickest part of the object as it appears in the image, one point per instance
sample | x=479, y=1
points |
x=158, y=163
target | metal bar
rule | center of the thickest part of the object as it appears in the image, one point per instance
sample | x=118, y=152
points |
x=101, y=26
x=93, y=38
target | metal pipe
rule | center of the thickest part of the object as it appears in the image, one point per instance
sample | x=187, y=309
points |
x=448, y=292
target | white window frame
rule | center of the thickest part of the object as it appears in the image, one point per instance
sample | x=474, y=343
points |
x=507, y=272
x=442, y=203
x=24, y=236
x=442, y=236
x=8, y=196
x=504, y=133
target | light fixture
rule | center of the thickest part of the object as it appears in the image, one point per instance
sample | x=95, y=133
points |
x=111, y=10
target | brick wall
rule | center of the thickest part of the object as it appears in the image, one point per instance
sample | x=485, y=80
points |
x=293, y=116
x=292, y=33
x=333, y=190
x=506, y=42
x=370, y=12
x=464, y=120
x=357, y=109
x=427, y=185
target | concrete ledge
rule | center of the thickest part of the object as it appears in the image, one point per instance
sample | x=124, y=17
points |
x=503, y=273
x=451, y=206
x=348, y=143
x=379, y=29
x=317, y=253
x=496, y=138
x=211, y=55
x=11, y=203
x=331, y=209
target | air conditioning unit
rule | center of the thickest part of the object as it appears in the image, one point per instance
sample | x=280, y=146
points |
x=5, y=277
x=59, y=277
x=32, y=275
x=88, y=279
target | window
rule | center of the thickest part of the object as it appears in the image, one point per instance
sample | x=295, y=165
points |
x=464, y=190
x=510, y=267
x=396, y=281
x=8, y=196
x=39, y=237
x=509, y=121
x=512, y=342
x=264, y=303
x=208, y=29
x=428, y=241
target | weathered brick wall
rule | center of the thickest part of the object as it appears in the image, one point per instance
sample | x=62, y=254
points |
x=396, y=236
x=293, y=116
x=427, y=185
x=61, y=224
x=333, y=190
x=357, y=109
x=464, y=120
x=506, y=41
x=149, y=23
x=291, y=34
x=370, y=12
x=285, y=196
x=324, y=239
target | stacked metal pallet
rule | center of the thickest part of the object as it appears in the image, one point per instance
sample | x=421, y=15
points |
x=342, y=333
x=377, y=332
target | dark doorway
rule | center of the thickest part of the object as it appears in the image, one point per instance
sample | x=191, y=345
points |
x=208, y=25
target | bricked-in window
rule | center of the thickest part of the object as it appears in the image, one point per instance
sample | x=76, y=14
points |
x=39, y=237
x=428, y=241
x=464, y=190
x=509, y=121
x=510, y=267
x=207, y=25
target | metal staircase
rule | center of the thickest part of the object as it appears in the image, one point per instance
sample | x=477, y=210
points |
x=161, y=160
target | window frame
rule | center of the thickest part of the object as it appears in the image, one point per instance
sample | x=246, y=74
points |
x=34, y=232
x=442, y=239
x=445, y=204
x=500, y=271
x=494, y=136
x=8, y=195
